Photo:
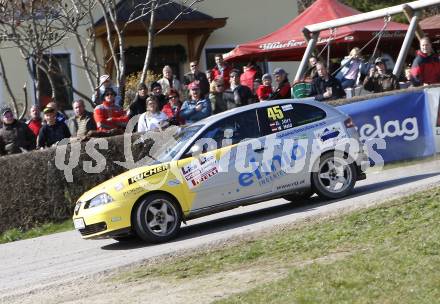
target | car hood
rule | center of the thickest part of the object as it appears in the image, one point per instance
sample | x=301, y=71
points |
x=124, y=180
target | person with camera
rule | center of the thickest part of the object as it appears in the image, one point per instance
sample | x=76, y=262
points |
x=379, y=80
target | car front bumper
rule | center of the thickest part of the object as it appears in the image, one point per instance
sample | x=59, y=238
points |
x=105, y=221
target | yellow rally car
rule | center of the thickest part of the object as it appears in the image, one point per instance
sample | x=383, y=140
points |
x=246, y=155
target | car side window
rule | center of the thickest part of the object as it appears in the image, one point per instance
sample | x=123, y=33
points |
x=229, y=131
x=286, y=116
x=303, y=114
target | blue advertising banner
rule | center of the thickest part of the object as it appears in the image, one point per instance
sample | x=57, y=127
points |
x=402, y=120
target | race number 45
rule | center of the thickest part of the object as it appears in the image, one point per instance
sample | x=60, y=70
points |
x=275, y=113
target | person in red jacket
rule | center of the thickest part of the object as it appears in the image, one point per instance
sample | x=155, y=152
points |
x=251, y=71
x=221, y=70
x=172, y=108
x=110, y=118
x=35, y=121
x=264, y=91
x=425, y=69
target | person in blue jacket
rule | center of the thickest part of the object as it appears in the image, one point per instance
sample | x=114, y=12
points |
x=197, y=107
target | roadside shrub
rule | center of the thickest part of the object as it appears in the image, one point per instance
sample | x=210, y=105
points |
x=34, y=191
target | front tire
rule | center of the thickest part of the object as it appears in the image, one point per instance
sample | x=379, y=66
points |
x=157, y=218
x=335, y=176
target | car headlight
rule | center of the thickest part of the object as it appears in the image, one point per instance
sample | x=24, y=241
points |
x=99, y=200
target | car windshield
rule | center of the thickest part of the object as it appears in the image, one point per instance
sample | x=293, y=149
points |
x=176, y=143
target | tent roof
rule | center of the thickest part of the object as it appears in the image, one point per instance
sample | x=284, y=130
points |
x=288, y=42
x=432, y=22
x=431, y=26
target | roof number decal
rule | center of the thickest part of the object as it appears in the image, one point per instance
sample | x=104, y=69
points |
x=275, y=113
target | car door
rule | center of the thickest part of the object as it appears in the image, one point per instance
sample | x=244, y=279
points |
x=212, y=176
x=289, y=129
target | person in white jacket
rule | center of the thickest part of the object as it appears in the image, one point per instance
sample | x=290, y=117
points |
x=351, y=68
x=169, y=81
x=153, y=119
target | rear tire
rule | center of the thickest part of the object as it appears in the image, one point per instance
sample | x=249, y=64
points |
x=335, y=176
x=157, y=218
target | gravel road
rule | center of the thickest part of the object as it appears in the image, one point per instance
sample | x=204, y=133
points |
x=60, y=258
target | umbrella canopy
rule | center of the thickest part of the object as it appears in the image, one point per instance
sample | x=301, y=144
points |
x=288, y=42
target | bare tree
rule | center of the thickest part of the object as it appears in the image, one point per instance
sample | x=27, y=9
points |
x=31, y=26
x=150, y=8
x=10, y=93
x=116, y=43
x=35, y=27
x=83, y=16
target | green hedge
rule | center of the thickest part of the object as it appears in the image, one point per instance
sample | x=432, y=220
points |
x=34, y=191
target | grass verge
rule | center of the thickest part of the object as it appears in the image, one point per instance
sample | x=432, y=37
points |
x=17, y=234
x=394, y=256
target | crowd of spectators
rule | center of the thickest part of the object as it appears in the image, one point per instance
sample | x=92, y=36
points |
x=169, y=101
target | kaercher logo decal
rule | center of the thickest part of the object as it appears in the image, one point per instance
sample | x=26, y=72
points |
x=148, y=173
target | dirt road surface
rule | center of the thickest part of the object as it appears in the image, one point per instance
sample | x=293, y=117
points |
x=29, y=267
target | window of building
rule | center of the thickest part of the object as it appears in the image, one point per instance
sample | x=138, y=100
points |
x=172, y=55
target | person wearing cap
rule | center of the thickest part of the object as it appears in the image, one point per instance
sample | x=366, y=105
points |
x=110, y=118
x=379, y=80
x=138, y=105
x=325, y=86
x=169, y=81
x=196, y=75
x=264, y=91
x=196, y=107
x=35, y=122
x=156, y=90
x=82, y=123
x=221, y=70
x=425, y=69
x=15, y=136
x=282, y=89
x=242, y=94
x=59, y=115
x=53, y=131
x=104, y=83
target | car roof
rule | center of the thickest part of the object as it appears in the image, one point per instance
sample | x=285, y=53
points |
x=214, y=118
x=207, y=122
